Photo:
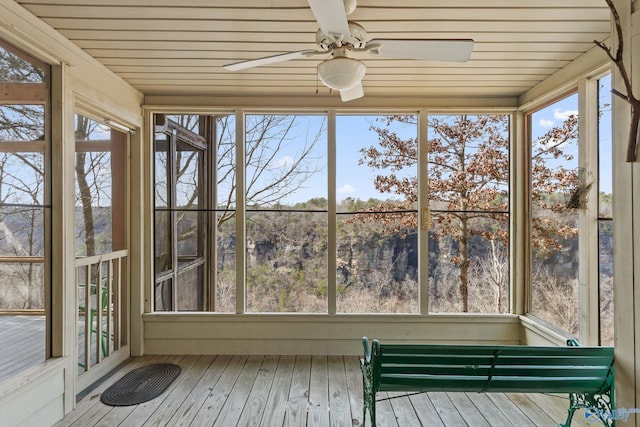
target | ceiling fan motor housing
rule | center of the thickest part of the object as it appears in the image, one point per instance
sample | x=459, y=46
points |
x=356, y=39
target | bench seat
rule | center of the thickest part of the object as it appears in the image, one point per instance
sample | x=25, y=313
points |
x=585, y=373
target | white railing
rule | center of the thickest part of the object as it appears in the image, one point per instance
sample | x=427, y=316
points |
x=101, y=291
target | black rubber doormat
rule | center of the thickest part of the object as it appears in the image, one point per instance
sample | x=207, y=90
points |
x=141, y=384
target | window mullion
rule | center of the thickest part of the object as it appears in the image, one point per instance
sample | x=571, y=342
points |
x=174, y=219
x=332, y=220
x=588, y=305
x=211, y=193
x=423, y=216
x=519, y=248
x=241, y=230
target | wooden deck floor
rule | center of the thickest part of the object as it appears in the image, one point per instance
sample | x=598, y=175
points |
x=22, y=343
x=303, y=391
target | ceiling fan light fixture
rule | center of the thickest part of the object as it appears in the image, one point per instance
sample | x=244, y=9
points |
x=341, y=73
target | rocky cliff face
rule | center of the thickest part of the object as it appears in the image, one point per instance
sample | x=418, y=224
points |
x=358, y=255
x=304, y=247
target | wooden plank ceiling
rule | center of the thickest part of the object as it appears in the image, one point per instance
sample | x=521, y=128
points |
x=173, y=47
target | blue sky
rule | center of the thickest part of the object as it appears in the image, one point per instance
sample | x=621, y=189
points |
x=353, y=133
x=352, y=180
x=554, y=114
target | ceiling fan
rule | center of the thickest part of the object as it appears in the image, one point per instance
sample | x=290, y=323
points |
x=339, y=37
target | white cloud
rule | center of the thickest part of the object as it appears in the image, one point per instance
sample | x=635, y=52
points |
x=283, y=162
x=563, y=115
x=546, y=123
x=346, y=189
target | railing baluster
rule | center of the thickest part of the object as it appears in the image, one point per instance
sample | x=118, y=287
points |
x=87, y=310
x=116, y=304
x=99, y=311
x=109, y=313
x=107, y=306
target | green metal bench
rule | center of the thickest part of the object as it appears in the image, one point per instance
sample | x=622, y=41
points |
x=586, y=373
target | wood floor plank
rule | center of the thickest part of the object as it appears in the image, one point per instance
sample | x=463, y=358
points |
x=218, y=395
x=531, y=410
x=274, y=411
x=101, y=415
x=354, y=386
x=403, y=410
x=114, y=415
x=179, y=393
x=425, y=410
x=23, y=343
x=467, y=410
x=446, y=410
x=578, y=417
x=558, y=406
x=319, y=393
x=339, y=405
x=384, y=412
x=193, y=402
x=491, y=413
x=550, y=408
x=515, y=416
x=88, y=404
x=237, y=400
x=142, y=412
x=297, y=410
x=256, y=399
x=277, y=391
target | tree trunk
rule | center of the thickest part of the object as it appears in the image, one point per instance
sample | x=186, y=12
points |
x=82, y=132
x=464, y=265
x=85, y=200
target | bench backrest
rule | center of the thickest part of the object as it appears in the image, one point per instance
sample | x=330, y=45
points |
x=417, y=367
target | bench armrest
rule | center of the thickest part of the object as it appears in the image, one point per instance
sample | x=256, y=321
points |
x=367, y=349
x=373, y=350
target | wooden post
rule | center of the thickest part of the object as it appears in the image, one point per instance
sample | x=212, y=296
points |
x=626, y=225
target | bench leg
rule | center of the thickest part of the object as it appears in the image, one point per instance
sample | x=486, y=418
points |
x=567, y=422
x=368, y=395
x=369, y=402
x=372, y=414
x=371, y=405
x=597, y=406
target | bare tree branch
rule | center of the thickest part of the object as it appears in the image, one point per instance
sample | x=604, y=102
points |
x=618, y=60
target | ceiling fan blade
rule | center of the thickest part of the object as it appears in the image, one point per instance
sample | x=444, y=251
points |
x=457, y=50
x=271, y=59
x=331, y=17
x=354, y=93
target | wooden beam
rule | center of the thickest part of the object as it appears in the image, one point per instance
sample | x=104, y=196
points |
x=23, y=93
x=93, y=146
x=22, y=147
